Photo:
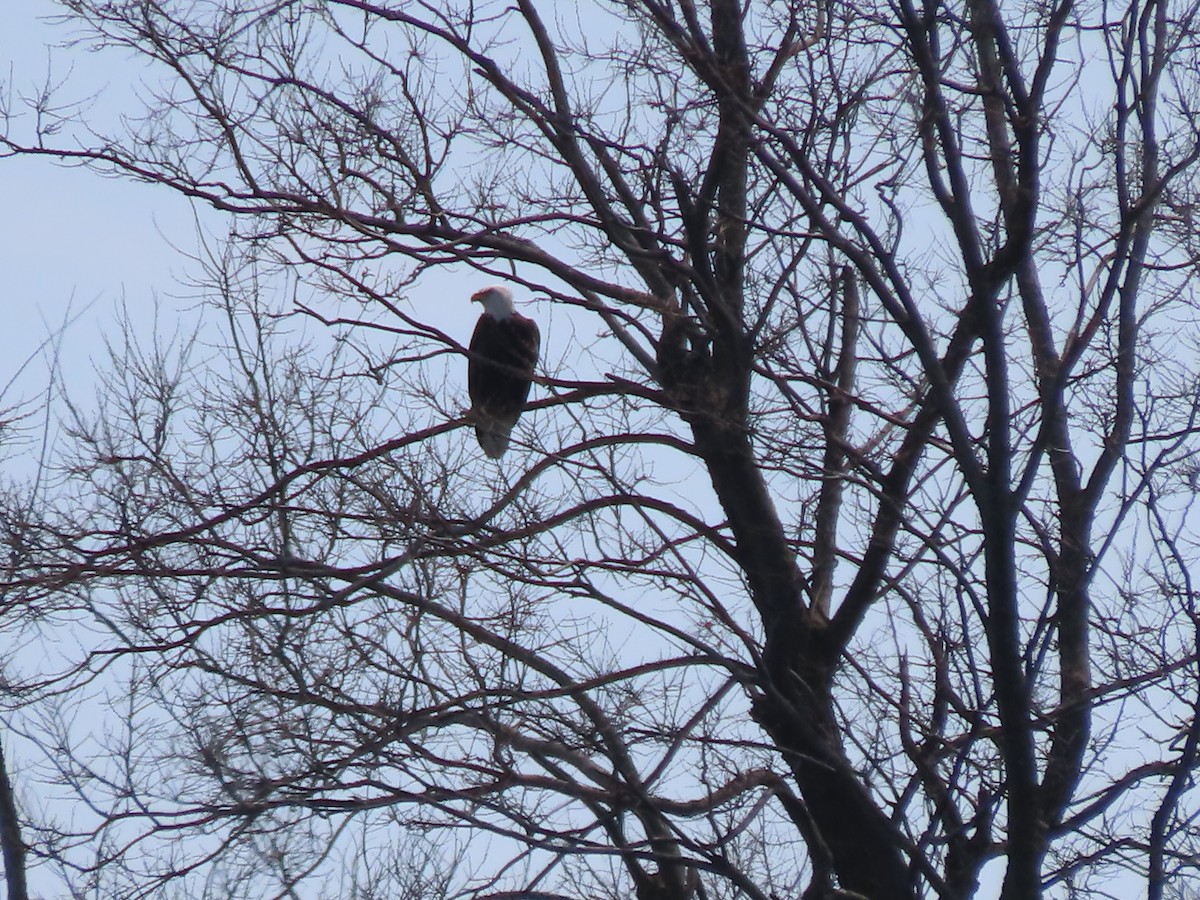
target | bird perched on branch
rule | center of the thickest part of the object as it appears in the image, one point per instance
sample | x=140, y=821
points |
x=504, y=350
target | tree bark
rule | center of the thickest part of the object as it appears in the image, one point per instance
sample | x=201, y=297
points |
x=11, y=846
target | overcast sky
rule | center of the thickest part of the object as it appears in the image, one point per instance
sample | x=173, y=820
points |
x=72, y=242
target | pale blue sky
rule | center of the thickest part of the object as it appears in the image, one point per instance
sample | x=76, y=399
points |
x=69, y=238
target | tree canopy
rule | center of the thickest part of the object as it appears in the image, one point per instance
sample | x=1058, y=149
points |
x=845, y=548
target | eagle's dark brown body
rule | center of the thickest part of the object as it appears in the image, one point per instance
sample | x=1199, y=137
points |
x=503, y=353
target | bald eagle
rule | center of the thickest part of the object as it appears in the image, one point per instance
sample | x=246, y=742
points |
x=504, y=349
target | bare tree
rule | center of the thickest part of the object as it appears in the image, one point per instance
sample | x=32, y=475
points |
x=846, y=547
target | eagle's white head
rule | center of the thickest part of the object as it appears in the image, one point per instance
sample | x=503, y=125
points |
x=497, y=301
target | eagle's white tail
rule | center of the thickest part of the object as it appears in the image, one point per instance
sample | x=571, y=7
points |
x=493, y=435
